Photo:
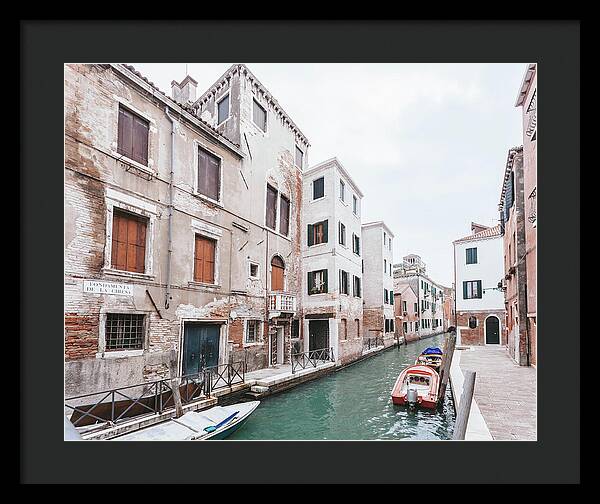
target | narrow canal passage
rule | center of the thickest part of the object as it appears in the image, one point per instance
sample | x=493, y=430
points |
x=354, y=403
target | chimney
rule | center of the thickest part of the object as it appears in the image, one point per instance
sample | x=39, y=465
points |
x=476, y=228
x=185, y=91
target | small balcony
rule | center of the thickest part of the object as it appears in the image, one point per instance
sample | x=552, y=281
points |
x=282, y=302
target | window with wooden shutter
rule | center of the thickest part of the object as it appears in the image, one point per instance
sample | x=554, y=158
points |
x=209, y=174
x=317, y=282
x=128, y=242
x=318, y=233
x=319, y=188
x=204, y=260
x=284, y=216
x=259, y=116
x=132, y=138
x=271, y=212
x=342, y=234
x=472, y=289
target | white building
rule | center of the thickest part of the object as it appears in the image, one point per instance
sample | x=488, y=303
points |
x=331, y=258
x=478, y=269
x=378, y=310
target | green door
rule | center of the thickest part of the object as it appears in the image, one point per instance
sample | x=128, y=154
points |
x=200, y=347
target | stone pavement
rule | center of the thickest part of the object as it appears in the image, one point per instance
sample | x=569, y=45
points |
x=504, y=391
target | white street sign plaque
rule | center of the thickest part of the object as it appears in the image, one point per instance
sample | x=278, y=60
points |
x=98, y=287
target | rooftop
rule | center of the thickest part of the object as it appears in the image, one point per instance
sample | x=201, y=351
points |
x=336, y=162
x=378, y=224
x=527, y=80
x=490, y=232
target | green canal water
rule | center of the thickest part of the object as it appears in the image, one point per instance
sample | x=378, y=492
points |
x=351, y=404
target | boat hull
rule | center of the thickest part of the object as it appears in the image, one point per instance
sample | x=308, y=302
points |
x=426, y=397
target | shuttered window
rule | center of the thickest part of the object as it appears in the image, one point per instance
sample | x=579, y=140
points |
x=472, y=255
x=344, y=284
x=356, y=287
x=259, y=116
x=133, y=136
x=355, y=244
x=318, y=233
x=204, y=260
x=271, y=216
x=209, y=174
x=284, y=216
x=342, y=234
x=317, y=282
x=319, y=188
x=299, y=157
x=472, y=289
x=385, y=296
x=391, y=297
x=223, y=109
x=128, y=242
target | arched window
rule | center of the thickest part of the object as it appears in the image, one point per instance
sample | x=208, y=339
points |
x=472, y=322
x=277, y=271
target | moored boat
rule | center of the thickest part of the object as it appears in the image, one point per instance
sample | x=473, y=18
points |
x=217, y=422
x=432, y=357
x=417, y=385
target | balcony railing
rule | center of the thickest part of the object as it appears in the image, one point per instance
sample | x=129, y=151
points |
x=280, y=301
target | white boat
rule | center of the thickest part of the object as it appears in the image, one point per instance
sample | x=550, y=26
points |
x=217, y=422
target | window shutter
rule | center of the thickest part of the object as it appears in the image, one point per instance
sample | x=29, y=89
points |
x=140, y=140
x=125, y=138
x=311, y=282
x=474, y=256
x=213, y=178
x=325, y=289
x=284, y=215
x=271, y=207
x=465, y=290
x=325, y=231
x=311, y=237
x=479, y=293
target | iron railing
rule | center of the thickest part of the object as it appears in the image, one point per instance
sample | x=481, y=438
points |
x=311, y=358
x=374, y=342
x=123, y=403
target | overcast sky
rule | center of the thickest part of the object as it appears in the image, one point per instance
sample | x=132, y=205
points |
x=426, y=143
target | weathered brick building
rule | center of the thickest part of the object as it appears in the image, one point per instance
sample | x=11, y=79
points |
x=429, y=318
x=527, y=100
x=448, y=307
x=378, y=291
x=406, y=313
x=480, y=315
x=512, y=214
x=182, y=226
x=332, y=261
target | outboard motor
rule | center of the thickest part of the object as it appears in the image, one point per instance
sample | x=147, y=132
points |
x=411, y=396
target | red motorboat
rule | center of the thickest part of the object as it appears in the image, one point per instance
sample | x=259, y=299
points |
x=417, y=385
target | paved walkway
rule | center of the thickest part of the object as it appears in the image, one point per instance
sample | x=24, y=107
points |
x=504, y=392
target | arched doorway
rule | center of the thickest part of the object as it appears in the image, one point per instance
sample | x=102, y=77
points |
x=492, y=330
x=277, y=273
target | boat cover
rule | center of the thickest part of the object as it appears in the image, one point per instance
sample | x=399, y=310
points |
x=431, y=351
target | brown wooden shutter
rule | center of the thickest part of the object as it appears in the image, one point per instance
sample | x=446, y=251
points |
x=284, y=216
x=271, y=216
x=140, y=140
x=125, y=136
x=128, y=242
x=204, y=260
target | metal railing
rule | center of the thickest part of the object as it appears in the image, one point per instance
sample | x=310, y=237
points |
x=123, y=403
x=311, y=358
x=374, y=342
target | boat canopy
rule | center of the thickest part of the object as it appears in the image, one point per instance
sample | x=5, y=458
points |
x=431, y=351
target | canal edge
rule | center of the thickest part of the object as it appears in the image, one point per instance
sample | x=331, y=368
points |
x=477, y=429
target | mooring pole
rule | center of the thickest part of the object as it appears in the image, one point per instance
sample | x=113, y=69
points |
x=464, y=407
x=447, y=356
x=175, y=383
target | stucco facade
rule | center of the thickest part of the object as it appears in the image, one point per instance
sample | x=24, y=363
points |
x=100, y=181
x=341, y=306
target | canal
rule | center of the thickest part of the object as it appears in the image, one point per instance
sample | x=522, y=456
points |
x=351, y=404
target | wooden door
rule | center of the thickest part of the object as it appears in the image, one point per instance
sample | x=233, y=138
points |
x=277, y=274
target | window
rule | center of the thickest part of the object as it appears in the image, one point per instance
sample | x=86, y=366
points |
x=355, y=244
x=259, y=116
x=472, y=322
x=132, y=138
x=209, y=174
x=404, y=327
x=384, y=239
x=204, y=260
x=344, y=283
x=299, y=157
x=391, y=297
x=317, y=233
x=319, y=188
x=342, y=234
x=472, y=289
x=271, y=216
x=124, y=331
x=317, y=282
x=128, y=242
x=472, y=255
x=357, y=323
x=385, y=296
x=355, y=204
x=416, y=308
x=253, y=270
x=391, y=270
x=387, y=325
x=284, y=215
x=342, y=190
x=253, y=328
x=356, y=287
x=344, y=328
x=384, y=266
x=295, y=329
x=223, y=109
x=391, y=325
x=404, y=306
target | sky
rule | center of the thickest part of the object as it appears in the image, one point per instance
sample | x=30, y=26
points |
x=425, y=143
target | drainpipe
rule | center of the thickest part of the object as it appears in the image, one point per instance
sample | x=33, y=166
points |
x=170, y=224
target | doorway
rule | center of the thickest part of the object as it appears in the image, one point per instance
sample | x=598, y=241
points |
x=276, y=346
x=200, y=347
x=492, y=330
x=318, y=331
x=277, y=274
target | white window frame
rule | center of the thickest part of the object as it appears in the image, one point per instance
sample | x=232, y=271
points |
x=258, y=337
x=126, y=202
x=102, y=353
x=212, y=233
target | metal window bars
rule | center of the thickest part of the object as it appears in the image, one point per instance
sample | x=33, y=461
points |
x=312, y=358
